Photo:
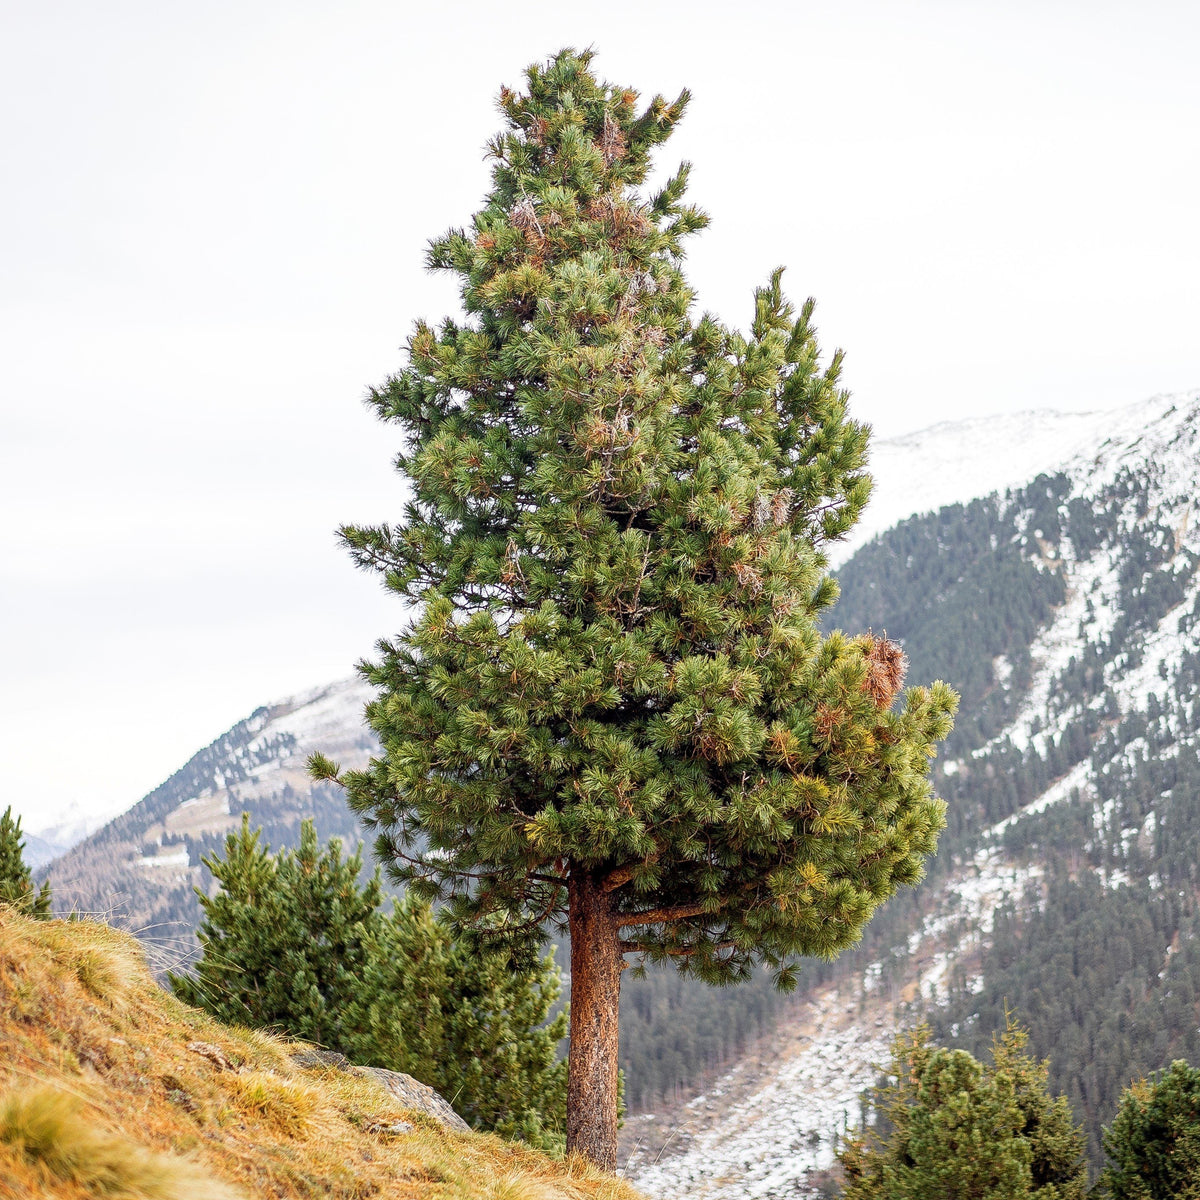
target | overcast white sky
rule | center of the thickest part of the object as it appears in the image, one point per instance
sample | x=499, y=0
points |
x=213, y=218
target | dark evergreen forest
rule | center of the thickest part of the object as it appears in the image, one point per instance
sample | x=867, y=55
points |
x=1101, y=957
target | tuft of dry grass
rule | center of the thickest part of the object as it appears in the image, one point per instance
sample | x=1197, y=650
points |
x=110, y=1087
x=107, y=968
x=285, y=1104
x=44, y=1131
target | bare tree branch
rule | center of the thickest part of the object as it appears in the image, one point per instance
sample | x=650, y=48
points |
x=628, y=947
x=660, y=916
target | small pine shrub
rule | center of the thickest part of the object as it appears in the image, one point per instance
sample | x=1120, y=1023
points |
x=16, y=882
x=949, y=1127
x=1153, y=1144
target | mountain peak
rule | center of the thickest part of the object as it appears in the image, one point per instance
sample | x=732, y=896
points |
x=954, y=462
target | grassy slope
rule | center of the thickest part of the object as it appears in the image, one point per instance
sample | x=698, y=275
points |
x=100, y=1096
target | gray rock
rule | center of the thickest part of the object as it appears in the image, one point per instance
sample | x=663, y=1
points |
x=312, y=1059
x=411, y=1094
x=404, y=1089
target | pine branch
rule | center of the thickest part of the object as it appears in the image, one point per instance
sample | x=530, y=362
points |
x=635, y=947
x=512, y=931
x=660, y=916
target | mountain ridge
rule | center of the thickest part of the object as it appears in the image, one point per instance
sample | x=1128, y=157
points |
x=954, y=462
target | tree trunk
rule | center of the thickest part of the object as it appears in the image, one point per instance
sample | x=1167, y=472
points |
x=596, y=962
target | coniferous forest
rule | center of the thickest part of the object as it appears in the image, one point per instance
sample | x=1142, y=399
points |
x=1100, y=958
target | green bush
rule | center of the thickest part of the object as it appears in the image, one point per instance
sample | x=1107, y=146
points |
x=292, y=942
x=16, y=882
x=1153, y=1144
x=950, y=1127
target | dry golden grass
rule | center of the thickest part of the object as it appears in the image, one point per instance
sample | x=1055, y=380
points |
x=283, y=1104
x=100, y=1096
x=56, y=1143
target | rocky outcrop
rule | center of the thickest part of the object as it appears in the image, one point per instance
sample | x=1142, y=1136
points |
x=404, y=1089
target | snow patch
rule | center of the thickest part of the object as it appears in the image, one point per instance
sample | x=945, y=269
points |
x=177, y=858
x=1076, y=779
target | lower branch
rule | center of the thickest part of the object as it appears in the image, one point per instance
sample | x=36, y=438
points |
x=661, y=916
x=628, y=947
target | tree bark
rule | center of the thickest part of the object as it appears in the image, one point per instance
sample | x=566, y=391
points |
x=596, y=962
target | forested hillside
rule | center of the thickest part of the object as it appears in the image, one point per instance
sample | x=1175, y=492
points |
x=1039, y=604
x=1068, y=613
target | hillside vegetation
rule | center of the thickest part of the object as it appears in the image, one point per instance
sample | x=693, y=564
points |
x=111, y=1087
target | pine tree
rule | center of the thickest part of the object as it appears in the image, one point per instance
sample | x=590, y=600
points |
x=460, y=1018
x=1153, y=1143
x=1057, y=1145
x=614, y=711
x=950, y=1127
x=16, y=881
x=285, y=939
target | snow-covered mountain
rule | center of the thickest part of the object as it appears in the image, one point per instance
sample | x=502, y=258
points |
x=954, y=462
x=39, y=851
x=1076, y=752
x=46, y=842
x=141, y=867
